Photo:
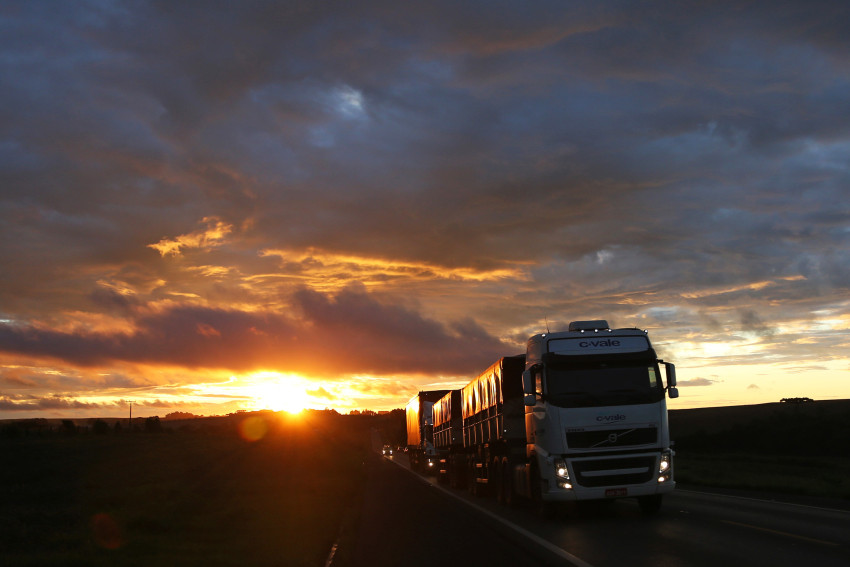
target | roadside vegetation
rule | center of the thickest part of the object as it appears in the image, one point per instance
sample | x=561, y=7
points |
x=793, y=448
x=821, y=477
x=252, y=489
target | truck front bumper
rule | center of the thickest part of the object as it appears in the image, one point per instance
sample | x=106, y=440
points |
x=609, y=476
x=607, y=492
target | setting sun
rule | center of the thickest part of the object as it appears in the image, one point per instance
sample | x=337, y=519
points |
x=279, y=392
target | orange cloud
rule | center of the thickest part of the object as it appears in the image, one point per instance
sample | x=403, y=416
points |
x=213, y=235
x=328, y=271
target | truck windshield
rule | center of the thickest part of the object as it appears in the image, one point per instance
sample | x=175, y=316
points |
x=603, y=384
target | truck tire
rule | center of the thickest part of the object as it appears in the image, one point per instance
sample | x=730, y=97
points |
x=506, y=495
x=497, y=479
x=649, y=505
x=542, y=508
x=457, y=472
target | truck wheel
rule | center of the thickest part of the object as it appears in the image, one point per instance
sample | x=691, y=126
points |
x=458, y=469
x=497, y=480
x=544, y=509
x=497, y=477
x=649, y=505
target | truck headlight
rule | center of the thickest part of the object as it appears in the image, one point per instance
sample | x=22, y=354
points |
x=562, y=474
x=665, y=466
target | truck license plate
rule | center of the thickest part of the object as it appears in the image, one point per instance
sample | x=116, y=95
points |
x=616, y=492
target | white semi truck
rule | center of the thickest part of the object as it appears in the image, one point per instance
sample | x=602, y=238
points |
x=581, y=416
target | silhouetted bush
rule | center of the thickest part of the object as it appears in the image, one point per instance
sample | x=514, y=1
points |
x=153, y=425
x=100, y=427
x=69, y=427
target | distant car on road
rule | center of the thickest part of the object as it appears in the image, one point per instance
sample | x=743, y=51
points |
x=387, y=451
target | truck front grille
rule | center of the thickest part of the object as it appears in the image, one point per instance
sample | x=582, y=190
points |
x=611, y=472
x=612, y=437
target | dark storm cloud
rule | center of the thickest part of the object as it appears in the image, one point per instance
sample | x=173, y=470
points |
x=752, y=323
x=19, y=403
x=351, y=333
x=248, y=109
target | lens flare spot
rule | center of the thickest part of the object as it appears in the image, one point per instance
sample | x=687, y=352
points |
x=253, y=428
x=106, y=531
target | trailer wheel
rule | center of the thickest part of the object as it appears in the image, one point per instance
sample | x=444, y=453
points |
x=649, y=505
x=458, y=471
x=498, y=480
x=506, y=495
x=471, y=478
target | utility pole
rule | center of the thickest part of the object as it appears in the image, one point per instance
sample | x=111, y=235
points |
x=130, y=423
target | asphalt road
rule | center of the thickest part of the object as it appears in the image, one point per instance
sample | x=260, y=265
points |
x=406, y=516
x=408, y=521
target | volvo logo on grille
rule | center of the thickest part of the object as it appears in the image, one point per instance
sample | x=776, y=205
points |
x=612, y=438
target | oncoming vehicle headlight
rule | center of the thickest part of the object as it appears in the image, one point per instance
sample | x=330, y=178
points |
x=665, y=465
x=562, y=474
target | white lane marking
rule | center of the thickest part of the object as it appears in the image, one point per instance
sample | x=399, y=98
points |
x=783, y=534
x=551, y=547
x=751, y=499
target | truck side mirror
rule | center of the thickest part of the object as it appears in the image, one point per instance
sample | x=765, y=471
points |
x=532, y=385
x=528, y=382
x=672, y=391
x=671, y=374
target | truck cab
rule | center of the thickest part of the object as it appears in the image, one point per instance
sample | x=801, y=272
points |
x=596, y=416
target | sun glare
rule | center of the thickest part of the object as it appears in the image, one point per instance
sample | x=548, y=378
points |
x=279, y=392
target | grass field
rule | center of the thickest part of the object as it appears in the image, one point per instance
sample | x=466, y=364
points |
x=205, y=496
x=822, y=477
x=780, y=447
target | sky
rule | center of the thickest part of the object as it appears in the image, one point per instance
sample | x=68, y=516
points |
x=208, y=207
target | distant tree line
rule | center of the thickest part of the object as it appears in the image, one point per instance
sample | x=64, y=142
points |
x=39, y=427
x=391, y=425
